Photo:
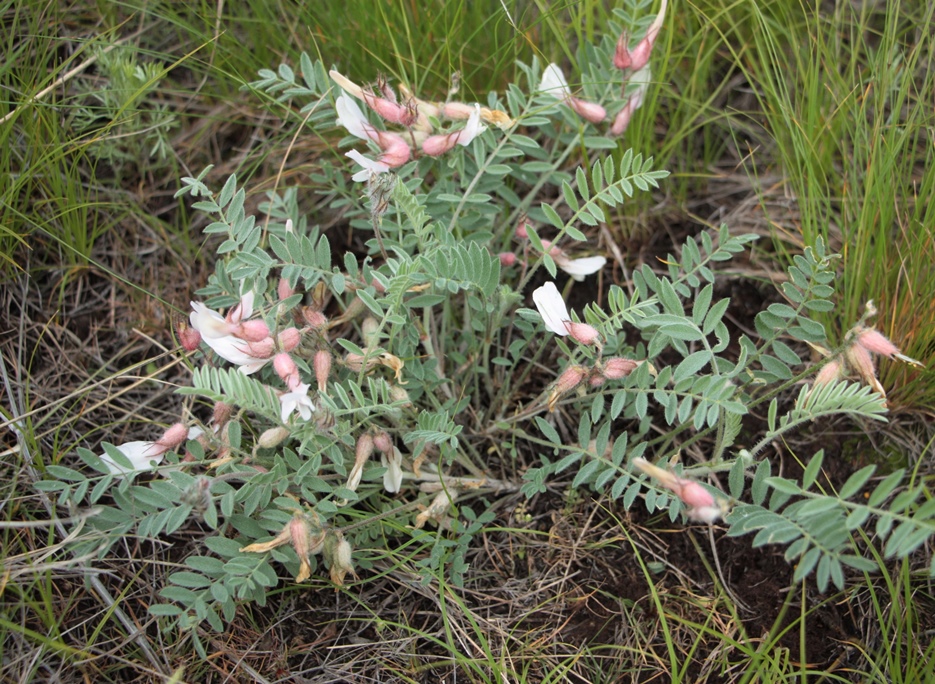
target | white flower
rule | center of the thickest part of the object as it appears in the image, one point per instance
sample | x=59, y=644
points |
x=139, y=454
x=553, y=83
x=552, y=308
x=472, y=129
x=579, y=268
x=296, y=400
x=554, y=314
x=393, y=477
x=215, y=331
x=371, y=167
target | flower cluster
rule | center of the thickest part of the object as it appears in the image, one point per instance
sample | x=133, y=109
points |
x=861, y=343
x=414, y=115
x=578, y=268
x=555, y=315
x=635, y=67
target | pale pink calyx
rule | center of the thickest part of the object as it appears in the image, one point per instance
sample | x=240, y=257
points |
x=286, y=369
x=622, y=120
x=253, y=331
x=622, y=58
x=189, y=337
x=830, y=372
x=289, y=338
x=616, y=368
x=284, y=290
x=507, y=258
x=321, y=364
x=173, y=438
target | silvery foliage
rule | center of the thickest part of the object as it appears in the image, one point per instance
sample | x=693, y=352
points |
x=446, y=307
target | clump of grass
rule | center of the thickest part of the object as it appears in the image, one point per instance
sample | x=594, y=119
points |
x=846, y=98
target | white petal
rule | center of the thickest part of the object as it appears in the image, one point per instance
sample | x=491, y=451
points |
x=579, y=268
x=350, y=116
x=705, y=514
x=208, y=322
x=393, y=477
x=231, y=349
x=371, y=167
x=246, y=304
x=552, y=308
x=472, y=129
x=553, y=83
x=347, y=84
x=297, y=400
x=139, y=454
x=637, y=96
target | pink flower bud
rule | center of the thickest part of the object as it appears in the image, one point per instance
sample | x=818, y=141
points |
x=622, y=120
x=173, y=438
x=596, y=380
x=521, y=232
x=437, y=145
x=457, y=110
x=382, y=441
x=570, y=378
x=616, y=368
x=315, y=319
x=396, y=150
x=859, y=357
x=590, y=111
x=289, y=339
x=284, y=289
x=694, y=495
x=830, y=372
x=189, y=337
x=263, y=349
x=507, y=258
x=287, y=370
x=300, y=533
x=404, y=115
x=364, y=448
x=639, y=57
x=622, y=59
x=222, y=414
x=582, y=332
x=873, y=341
x=253, y=331
x=322, y=366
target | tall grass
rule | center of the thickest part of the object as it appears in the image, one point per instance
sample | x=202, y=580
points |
x=847, y=100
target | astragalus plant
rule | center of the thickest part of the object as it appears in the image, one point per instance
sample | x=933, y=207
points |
x=344, y=406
